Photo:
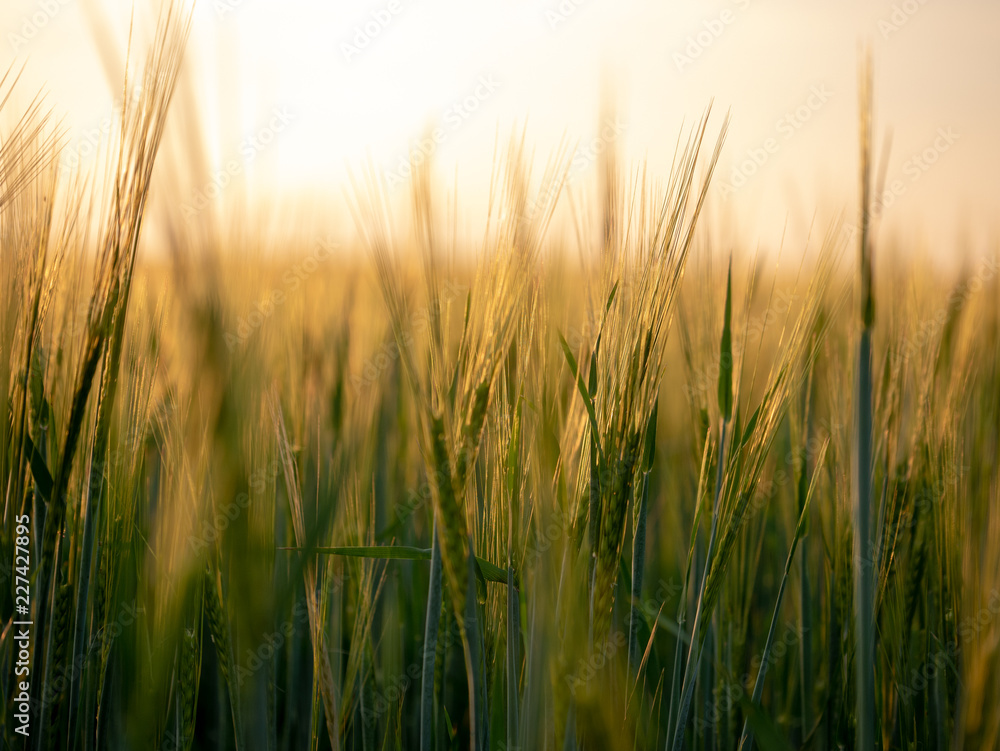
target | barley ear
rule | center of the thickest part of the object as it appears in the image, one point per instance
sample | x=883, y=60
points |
x=218, y=629
x=188, y=677
x=639, y=542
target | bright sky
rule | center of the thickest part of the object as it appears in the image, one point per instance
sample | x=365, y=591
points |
x=298, y=90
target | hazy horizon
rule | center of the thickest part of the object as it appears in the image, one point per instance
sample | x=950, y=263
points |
x=289, y=107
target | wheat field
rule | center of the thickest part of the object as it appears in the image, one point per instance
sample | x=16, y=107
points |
x=406, y=495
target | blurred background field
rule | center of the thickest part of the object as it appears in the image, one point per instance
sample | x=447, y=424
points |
x=570, y=461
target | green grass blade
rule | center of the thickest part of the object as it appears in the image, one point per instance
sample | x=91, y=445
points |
x=513, y=659
x=746, y=744
x=588, y=402
x=769, y=738
x=725, y=409
x=489, y=571
x=39, y=469
x=473, y=667
x=639, y=543
x=726, y=352
x=432, y=622
x=638, y=559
